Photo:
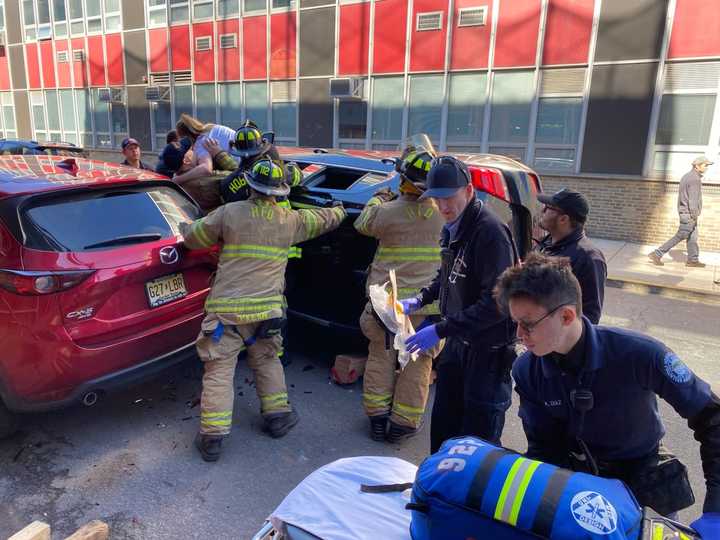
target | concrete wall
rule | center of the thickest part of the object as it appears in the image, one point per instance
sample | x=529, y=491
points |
x=640, y=210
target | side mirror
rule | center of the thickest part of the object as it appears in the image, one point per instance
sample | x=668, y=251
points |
x=269, y=136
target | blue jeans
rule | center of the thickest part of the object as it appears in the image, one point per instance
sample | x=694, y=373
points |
x=687, y=231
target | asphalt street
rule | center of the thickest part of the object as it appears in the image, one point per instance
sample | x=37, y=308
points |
x=129, y=460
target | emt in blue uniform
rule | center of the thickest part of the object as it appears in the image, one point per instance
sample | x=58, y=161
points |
x=588, y=394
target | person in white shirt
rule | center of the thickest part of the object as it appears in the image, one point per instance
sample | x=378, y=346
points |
x=199, y=132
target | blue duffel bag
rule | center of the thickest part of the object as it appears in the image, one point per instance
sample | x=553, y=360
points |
x=473, y=490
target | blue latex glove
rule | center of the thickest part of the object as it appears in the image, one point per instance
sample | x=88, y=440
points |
x=410, y=305
x=425, y=339
x=708, y=525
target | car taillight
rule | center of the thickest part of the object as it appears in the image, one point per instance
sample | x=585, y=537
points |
x=490, y=181
x=37, y=283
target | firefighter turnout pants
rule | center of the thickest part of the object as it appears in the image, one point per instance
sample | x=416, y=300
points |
x=400, y=394
x=219, y=358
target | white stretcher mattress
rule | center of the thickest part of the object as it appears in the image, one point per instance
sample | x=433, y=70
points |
x=329, y=503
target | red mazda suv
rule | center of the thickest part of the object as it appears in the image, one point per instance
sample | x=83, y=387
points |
x=95, y=290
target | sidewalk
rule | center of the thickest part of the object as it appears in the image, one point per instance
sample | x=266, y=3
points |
x=628, y=265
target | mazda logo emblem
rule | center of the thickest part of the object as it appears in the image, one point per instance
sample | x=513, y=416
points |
x=169, y=255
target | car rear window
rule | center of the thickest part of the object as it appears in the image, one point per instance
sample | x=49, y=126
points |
x=105, y=220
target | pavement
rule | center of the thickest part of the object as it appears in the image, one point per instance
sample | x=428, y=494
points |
x=629, y=267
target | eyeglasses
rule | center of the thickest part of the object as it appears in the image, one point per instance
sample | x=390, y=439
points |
x=530, y=327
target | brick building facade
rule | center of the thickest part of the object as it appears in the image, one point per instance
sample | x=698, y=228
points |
x=611, y=96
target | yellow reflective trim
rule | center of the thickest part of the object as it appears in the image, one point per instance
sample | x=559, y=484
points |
x=253, y=255
x=198, y=229
x=251, y=300
x=658, y=531
x=227, y=422
x=215, y=414
x=251, y=135
x=254, y=247
x=380, y=399
x=506, y=488
x=240, y=136
x=517, y=503
x=408, y=409
x=234, y=308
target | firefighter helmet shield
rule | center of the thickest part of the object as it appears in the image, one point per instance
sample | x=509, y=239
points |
x=267, y=177
x=249, y=141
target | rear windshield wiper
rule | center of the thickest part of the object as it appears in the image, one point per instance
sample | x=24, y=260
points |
x=129, y=239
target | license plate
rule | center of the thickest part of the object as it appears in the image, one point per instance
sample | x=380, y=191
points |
x=165, y=289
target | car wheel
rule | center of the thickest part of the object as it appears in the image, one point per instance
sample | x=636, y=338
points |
x=8, y=421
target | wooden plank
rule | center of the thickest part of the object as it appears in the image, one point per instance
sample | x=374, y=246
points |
x=37, y=530
x=95, y=530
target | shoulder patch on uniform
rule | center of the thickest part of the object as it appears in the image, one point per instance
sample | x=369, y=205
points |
x=675, y=369
x=594, y=513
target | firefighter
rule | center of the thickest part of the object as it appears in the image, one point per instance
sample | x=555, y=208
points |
x=408, y=232
x=246, y=307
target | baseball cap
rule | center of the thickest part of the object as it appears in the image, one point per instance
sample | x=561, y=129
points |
x=701, y=160
x=127, y=141
x=446, y=176
x=571, y=202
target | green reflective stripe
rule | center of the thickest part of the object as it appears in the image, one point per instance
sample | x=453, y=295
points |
x=274, y=397
x=514, y=489
x=303, y=205
x=215, y=414
x=198, y=230
x=311, y=222
x=411, y=413
x=231, y=251
x=227, y=422
x=377, y=399
x=294, y=253
x=658, y=531
x=374, y=201
x=254, y=247
x=225, y=308
x=253, y=256
x=244, y=301
x=416, y=254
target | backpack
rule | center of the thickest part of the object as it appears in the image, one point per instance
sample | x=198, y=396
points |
x=472, y=490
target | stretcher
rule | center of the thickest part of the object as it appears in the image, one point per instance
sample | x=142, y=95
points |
x=329, y=503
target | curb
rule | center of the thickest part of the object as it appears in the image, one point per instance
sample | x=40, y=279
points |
x=708, y=297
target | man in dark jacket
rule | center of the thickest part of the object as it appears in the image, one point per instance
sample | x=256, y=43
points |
x=564, y=217
x=473, y=389
x=689, y=207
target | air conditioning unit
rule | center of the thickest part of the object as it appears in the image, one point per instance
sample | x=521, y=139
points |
x=157, y=93
x=203, y=43
x=431, y=20
x=346, y=88
x=78, y=55
x=62, y=57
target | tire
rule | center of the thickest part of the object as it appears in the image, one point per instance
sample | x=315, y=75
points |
x=8, y=421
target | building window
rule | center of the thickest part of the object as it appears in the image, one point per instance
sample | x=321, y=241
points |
x=510, y=114
x=29, y=20
x=256, y=103
x=283, y=4
x=466, y=108
x=37, y=105
x=202, y=9
x=387, y=112
x=44, y=29
x=7, y=118
x=93, y=13
x=426, y=100
x=284, y=109
x=205, y=102
x=352, y=123
x=254, y=5
x=77, y=24
x=687, y=116
x=180, y=11
x=84, y=115
x=113, y=19
x=559, y=112
x=53, y=115
x=118, y=119
x=101, y=118
x=230, y=98
x=69, y=123
x=157, y=12
x=227, y=8
x=59, y=18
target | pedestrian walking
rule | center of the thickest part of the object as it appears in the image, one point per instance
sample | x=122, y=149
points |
x=588, y=394
x=689, y=207
x=563, y=217
x=473, y=389
x=246, y=306
x=408, y=234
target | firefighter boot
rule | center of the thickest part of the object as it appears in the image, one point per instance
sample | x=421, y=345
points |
x=279, y=424
x=398, y=433
x=378, y=427
x=210, y=446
